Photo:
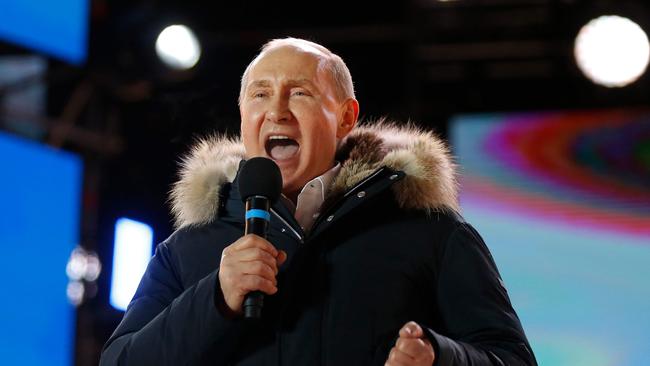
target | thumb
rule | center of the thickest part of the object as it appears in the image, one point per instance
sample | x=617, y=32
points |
x=282, y=257
x=411, y=330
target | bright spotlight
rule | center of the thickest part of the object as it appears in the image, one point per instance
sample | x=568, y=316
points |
x=612, y=51
x=178, y=47
x=131, y=254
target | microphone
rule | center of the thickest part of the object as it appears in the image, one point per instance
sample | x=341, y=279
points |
x=260, y=185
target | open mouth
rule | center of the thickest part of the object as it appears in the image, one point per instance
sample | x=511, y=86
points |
x=281, y=147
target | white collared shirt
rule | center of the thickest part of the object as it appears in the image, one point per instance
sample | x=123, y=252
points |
x=311, y=198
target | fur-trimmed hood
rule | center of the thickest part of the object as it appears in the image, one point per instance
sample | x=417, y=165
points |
x=430, y=181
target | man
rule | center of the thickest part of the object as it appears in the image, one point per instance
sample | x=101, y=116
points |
x=366, y=263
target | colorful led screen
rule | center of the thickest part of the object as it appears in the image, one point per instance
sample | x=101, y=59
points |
x=563, y=201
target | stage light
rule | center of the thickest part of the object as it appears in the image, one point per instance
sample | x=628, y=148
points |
x=75, y=292
x=131, y=254
x=83, y=269
x=612, y=51
x=178, y=47
x=83, y=265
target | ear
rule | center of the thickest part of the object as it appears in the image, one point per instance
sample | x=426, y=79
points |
x=348, y=119
x=241, y=118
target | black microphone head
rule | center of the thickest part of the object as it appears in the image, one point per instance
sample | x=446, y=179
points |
x=260, y=177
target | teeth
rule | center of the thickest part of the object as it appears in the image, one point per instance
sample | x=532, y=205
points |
x=279, y=137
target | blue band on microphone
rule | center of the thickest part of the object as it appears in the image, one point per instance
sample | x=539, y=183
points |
x=259, y=214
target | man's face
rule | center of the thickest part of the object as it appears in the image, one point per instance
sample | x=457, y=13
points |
x=289, y=113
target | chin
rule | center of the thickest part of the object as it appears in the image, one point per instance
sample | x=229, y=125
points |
x=290, y=173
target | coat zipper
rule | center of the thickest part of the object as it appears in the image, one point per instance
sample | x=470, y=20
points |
x=335, y=204
x=302, y=240
x=345, y=195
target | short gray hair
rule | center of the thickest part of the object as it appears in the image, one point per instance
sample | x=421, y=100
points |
x=343, y=86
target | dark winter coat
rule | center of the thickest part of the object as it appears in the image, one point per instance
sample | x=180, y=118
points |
x=387, y=248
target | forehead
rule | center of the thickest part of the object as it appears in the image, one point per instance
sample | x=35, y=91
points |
x=289, y=62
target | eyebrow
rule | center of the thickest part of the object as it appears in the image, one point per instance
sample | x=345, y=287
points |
x=299, y=82
x=267, y=84
x=259, y=84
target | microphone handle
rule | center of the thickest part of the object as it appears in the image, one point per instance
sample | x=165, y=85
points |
x=257, y=222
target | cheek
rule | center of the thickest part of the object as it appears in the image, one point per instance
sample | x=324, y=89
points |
x=250, y=137
x=321, y=151
x=325, y=135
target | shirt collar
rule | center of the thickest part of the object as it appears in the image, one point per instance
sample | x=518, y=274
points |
x=311, y=197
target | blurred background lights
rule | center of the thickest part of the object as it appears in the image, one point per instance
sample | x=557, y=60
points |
x=83, y=269
x=131, y=253
x=75, y=292
x=612, y=51
x=83, y=265
x=178, y=47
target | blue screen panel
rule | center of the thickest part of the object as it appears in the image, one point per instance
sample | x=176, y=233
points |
x=562, y=199
x=40, y=190
x=57, y=28
x=131, y=255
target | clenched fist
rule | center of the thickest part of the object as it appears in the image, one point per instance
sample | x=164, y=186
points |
x=249, y=264
x=411, y=349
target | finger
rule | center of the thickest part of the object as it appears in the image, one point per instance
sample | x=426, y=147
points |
x=399, y=358
x=411, y=330
x=250, y=254
x=255, y=255
x=251, y=283
x=252, y=241
x=282, y=257
x=258, y=268
x=427, y=355
x=413, y=347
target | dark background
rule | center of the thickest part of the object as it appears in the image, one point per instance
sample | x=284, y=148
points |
x=131, y=118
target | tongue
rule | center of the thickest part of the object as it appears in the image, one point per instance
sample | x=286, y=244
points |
x=281, y=152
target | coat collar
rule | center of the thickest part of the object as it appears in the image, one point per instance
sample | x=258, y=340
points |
x=430, y=181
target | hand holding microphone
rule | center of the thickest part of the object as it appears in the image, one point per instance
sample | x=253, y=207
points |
x=249, y=266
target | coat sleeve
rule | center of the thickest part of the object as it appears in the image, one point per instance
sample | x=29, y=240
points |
x=166, y=324
x=479, y=324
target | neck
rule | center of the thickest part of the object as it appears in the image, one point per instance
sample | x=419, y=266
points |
x=292, y=196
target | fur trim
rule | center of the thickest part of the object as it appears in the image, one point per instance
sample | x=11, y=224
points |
x=430, y=182
x=212, y=162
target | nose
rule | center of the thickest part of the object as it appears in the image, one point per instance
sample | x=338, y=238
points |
x=278, y=110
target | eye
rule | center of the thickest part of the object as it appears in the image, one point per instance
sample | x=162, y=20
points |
x=300, y=93
x=259, y=94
